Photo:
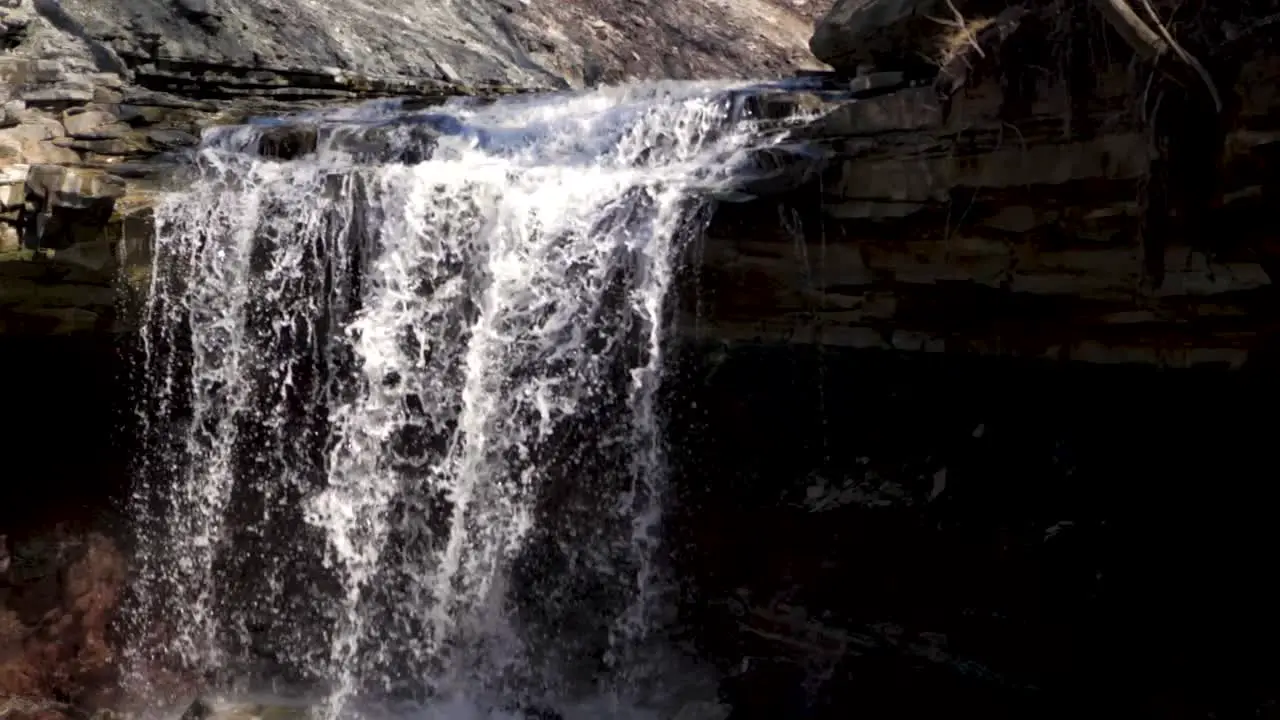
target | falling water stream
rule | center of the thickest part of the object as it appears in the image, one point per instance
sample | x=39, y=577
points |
x=401, y=396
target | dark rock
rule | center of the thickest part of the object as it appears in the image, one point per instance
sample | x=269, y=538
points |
x=287, y=142
x=196, y=9
x=199, y=709
x=780, y=169
x=537, y=712
x=144, y=114
x=893, y=34
x=766, y=689
x=57, y=599
x=171, y=139
x=13, y=31
x=59, y=96
x=973, y=600
x=72, y=187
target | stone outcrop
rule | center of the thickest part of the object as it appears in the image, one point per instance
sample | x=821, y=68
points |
x=881, y=33
x=1035, y=216
x=496, y=42
x=991, y=214
x=58, y=594
x=98, y=100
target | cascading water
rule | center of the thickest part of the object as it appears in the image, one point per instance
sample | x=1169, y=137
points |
x=400, y=394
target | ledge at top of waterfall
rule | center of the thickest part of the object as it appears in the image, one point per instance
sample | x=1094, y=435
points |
x=404, y=436
x=723, y=138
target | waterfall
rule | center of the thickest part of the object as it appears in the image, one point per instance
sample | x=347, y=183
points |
x=403, y=438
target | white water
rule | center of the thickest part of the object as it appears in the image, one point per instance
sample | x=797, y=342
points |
x=390, y=367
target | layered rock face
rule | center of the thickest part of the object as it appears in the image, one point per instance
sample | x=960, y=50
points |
x=1033, y=212
x=100, y=99
x=1032, y=200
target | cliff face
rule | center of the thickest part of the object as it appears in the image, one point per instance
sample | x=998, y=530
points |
x=1043, y=214
x=970, y=233
x=97, y=98
x=1042, y=192
x=99, y=101
x=1047, y=212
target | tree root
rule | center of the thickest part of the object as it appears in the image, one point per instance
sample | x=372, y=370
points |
x=1153, y=44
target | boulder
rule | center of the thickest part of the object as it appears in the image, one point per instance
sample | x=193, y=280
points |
x=893, y=34
x=287, y=142
x=10, y=240
x=78, y=188
x=60, y=95
x=13, y=186
x=89, y=123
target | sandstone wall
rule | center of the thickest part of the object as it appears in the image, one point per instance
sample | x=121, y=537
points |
x=1044, y=225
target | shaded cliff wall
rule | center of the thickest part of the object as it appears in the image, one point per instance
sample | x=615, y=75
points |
x=65, y=422
x=975, y=537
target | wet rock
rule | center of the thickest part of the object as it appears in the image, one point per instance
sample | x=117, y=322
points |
x=195, y=9
x=703, y=711
x=199, y=709
x=287, y=142
x=780, y=169
x=61, y=95
x=208, y=709
x=13, y=186
x=403, y=143
x=167, y=139
x=68, y=207
x=73, y=187
x=540, y=713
